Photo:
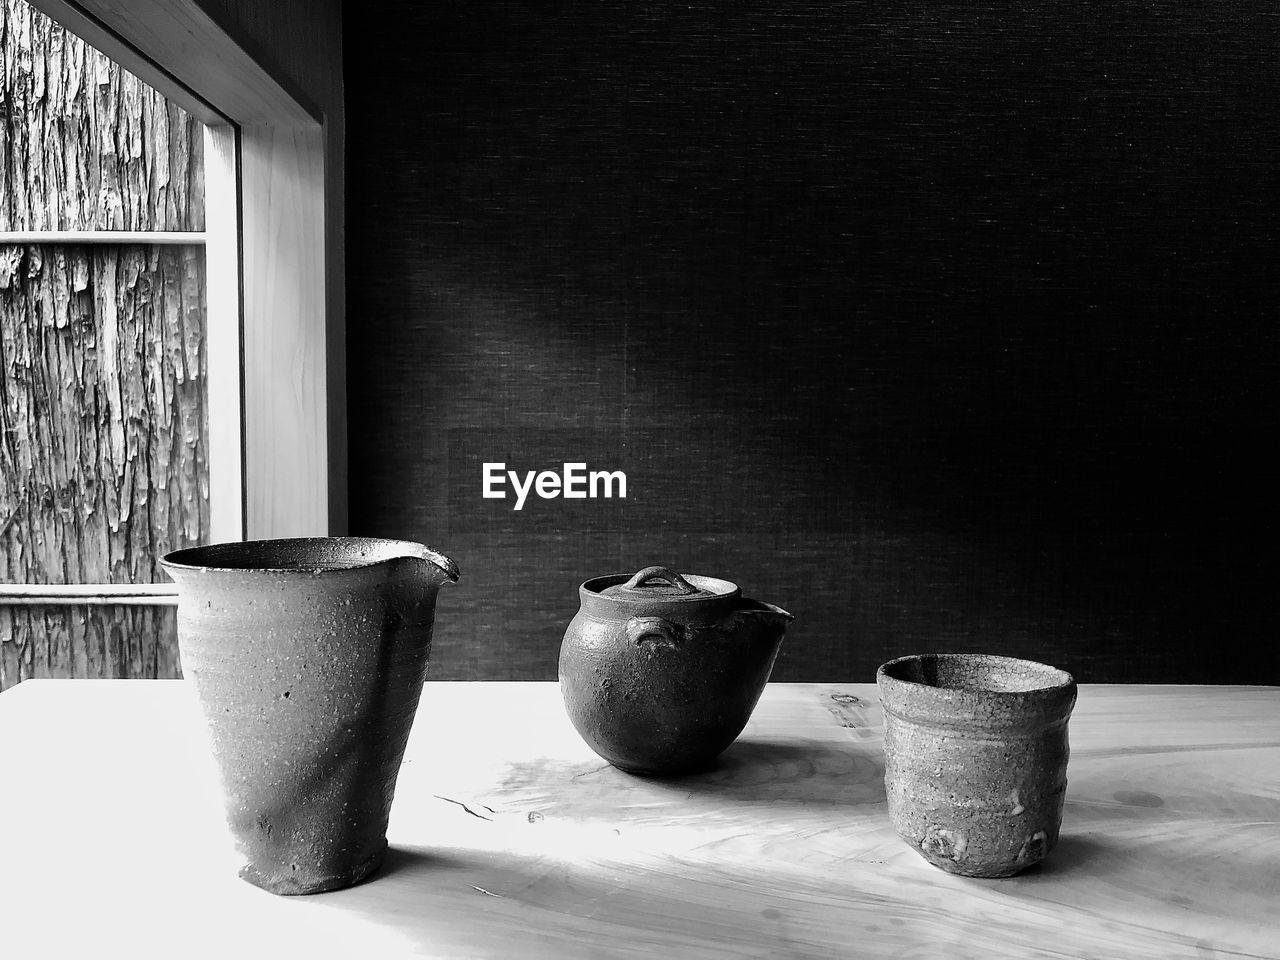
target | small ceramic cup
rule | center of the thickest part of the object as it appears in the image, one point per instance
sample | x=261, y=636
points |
x=976, y=758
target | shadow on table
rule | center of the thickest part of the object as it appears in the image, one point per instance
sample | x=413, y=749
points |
x=567, y=904
x=1229, y=883
x=456, y=901
x=406, y=861
x=781, y=771
x=1072, y=855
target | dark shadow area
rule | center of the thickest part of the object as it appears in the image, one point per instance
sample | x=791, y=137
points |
x=485, y=903
x=407, y=862
x=1073, y=854
x=398, y=861
x=432, y=899
x=775, y=772
x=792, y=773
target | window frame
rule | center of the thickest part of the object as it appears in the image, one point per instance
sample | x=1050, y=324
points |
x=274, y=298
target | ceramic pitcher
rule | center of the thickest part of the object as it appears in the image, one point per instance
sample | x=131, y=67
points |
x=308, y=657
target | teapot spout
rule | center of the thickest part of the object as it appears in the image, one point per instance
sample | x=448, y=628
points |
x=765, y=611
x=762, y=625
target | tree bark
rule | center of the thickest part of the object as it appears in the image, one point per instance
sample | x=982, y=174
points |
x=103, y=459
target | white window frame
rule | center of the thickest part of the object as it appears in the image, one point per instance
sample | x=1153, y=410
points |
x=275, y=314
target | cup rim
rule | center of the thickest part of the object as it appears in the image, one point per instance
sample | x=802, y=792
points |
x=1061, y=679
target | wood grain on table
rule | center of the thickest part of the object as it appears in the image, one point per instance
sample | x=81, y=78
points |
x=511, y=839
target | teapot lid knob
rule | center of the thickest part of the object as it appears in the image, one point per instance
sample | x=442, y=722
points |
x=681, y=585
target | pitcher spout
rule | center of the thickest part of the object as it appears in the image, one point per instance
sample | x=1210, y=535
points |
x=412, y=575
x=435, y=567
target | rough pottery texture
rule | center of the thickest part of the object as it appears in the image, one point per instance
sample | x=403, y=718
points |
x=660, y=672
x=976, y=758
x=308, y=657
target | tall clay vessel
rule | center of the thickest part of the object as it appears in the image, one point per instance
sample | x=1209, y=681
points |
x=976, y=758
x=308, y=657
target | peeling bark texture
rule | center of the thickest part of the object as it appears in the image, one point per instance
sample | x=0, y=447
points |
x=103, y=459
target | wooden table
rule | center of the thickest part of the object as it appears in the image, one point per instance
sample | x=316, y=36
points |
x=511, y=839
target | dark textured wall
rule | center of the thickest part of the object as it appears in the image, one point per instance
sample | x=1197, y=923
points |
x=947, y=326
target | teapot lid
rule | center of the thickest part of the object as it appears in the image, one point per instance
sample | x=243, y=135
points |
x=659, y=592
x=661, y=584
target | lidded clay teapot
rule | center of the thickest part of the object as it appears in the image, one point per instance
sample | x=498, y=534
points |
x=660, y=672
